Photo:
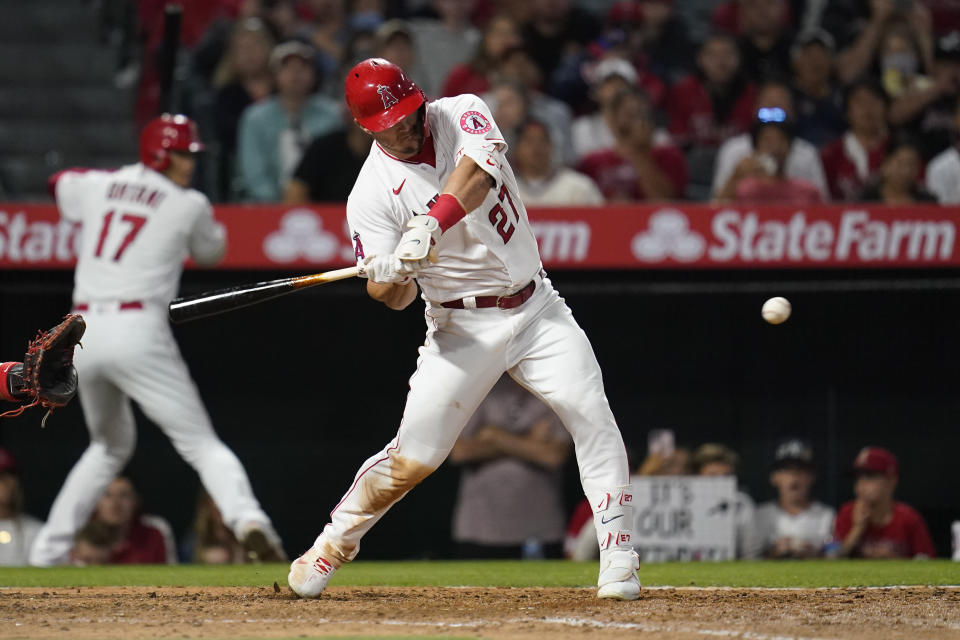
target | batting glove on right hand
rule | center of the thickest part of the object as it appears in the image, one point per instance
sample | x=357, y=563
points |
x=390, y=269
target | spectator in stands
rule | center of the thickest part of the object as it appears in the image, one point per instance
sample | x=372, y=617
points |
x=716, y=101
x=898, y=182
x=516, y=66
x=394, y=42
x=328, y=30
x=906, y=70
x=444, y=42
x=760, y=178
x=819, y=102
x=510, y=104
x=663, y=457
x=719, y=460
x=764, y=39
x=513, y=440
x=93, y=544
x=794, y=525
x=852, y=160
x=874, y=525
x=934, y=124
x=241, y=78
x=210, y=540
x=557, y=30
x=499, y=36
x=637, y=168
x=274, y=133
x=859, y=28
x=803, y=160
x=329, y=166
x=657, y=36
x=138, y=538
x=17, y=529
x=541, y=181
x=943, y=172
x=592, y=132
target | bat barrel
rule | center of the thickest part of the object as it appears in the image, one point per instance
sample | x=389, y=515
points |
x=214, y=302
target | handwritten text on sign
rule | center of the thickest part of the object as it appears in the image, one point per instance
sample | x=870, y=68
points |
x=684, y=518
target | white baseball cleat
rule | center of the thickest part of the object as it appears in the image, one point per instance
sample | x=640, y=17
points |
x=309, y=574
x=618, y=575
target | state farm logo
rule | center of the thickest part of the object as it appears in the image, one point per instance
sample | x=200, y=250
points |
x=26, y=241
x=853, y=236
x=301, y=236
x=668, y=236
x=562, y=241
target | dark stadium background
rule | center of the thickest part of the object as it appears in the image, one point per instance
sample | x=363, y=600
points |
x=307, y=387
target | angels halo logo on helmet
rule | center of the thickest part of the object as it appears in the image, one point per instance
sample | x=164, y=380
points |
x=164, y=134
x=380, y=94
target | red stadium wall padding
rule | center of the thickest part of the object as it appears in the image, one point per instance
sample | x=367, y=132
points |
x=662, y=236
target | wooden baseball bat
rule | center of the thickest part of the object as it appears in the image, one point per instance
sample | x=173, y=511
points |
x=230, y=298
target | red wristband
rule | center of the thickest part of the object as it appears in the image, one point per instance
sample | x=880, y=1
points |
x=448, y=211
x=4, y=386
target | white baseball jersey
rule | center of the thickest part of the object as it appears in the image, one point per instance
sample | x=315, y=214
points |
x=138, y=228
x=492, y=251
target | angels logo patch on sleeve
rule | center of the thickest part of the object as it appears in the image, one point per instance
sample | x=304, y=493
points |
x=358, y=247
x=475, y=122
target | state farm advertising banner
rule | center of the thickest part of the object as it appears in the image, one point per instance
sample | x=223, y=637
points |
x=666, y=236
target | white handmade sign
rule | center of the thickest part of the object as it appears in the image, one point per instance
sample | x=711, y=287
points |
x=684, y=518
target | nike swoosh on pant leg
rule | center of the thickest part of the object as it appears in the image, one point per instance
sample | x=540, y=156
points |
x=605, y=521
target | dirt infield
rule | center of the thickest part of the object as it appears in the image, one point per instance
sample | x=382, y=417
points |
x=207, y=612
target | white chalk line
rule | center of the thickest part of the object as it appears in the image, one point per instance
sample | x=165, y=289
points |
x=472, y=624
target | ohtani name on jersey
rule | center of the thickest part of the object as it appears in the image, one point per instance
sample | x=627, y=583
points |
x=136, y=193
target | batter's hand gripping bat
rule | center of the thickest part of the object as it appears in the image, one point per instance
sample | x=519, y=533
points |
x=230, y=298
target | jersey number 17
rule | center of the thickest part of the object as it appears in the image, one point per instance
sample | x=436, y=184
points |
x=136, y=224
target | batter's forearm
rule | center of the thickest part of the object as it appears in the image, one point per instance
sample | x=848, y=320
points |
x=469, y=184
x=395, y=295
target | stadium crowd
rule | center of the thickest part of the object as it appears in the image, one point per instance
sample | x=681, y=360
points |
x=779, y=101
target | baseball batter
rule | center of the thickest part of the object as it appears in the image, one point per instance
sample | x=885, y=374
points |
x=489, y=308
x=139, y=224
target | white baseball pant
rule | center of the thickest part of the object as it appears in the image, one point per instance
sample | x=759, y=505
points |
x=466, y=351
x=132, y=355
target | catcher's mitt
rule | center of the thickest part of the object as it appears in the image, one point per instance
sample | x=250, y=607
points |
x=48, y=377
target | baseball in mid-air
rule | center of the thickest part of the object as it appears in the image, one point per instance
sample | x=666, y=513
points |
x=776, y=310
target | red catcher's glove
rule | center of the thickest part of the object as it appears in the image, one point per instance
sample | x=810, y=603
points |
x=47, y=376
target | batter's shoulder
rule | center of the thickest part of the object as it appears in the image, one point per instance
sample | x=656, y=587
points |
x=455, y=105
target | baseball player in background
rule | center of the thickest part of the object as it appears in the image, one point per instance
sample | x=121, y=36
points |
x=139, y=224
x=436, y=204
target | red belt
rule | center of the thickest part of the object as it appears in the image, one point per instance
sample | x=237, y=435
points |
x=123, y=306
x=501, y=302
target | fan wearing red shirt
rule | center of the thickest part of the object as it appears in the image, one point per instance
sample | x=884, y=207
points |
x=636, y=168
x=714, y=103
x=139, y=539
x=850, y=161
x=874, y=525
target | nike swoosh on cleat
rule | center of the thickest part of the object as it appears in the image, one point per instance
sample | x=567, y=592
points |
x=396, y=191
x=605, y=521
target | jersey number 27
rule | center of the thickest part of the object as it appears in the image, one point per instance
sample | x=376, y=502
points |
x=500, y=219
x=136, y=224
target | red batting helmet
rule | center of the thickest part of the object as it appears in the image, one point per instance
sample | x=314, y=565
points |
x=380, y=94
x=167, y=133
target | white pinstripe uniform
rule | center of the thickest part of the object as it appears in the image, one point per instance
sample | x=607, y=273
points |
x=491, y=252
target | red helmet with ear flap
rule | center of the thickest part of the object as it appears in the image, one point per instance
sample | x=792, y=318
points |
x=164, y=134
x=380, y=94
